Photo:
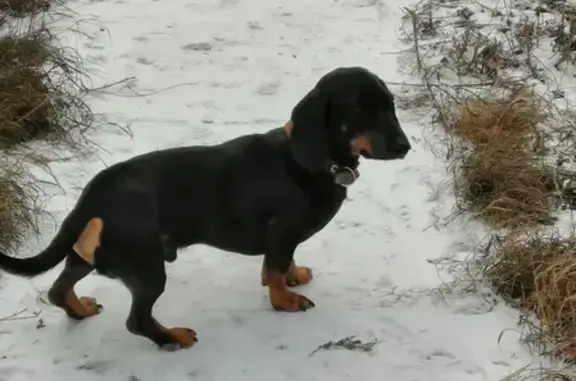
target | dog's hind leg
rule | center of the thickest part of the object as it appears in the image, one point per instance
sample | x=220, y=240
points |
x=133, y=251
x=79, y=263
x=146, y=283
x=62, y=293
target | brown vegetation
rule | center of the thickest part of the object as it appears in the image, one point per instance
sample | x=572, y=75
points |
x=505, y=142
x=41, y=89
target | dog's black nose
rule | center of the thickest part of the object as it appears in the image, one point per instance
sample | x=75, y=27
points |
x=401, y=147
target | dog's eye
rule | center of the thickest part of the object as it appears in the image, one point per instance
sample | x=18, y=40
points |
x=344, y=128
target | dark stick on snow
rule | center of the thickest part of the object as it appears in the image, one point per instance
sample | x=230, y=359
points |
x=350, y=343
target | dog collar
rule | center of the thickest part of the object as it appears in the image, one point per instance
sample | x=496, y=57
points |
x=343, y=176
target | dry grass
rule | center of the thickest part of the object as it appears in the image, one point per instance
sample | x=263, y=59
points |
x=40, y=86
x=540, y=374
x=13, y=209
x=538, y=274
x=21, y=8
x=26, y=108
x=18, y=206
x=514, y=115
x=500, y=177
x=41, y=98
x=505, y=146
x=506, y=191
x=498, y=173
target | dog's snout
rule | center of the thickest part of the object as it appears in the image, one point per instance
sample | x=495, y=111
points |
x=401, y=147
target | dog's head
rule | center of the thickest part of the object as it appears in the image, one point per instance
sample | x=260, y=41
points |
x=350, y=112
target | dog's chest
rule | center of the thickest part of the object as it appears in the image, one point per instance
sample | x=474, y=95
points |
x=321, y=211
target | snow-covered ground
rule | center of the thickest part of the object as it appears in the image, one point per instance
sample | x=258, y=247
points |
x=215, y=69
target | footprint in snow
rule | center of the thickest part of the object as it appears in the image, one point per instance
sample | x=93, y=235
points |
x=442, y=353
x=227, y=3
x=144, y=61
x=269, y=88
x=198, y=47
x=366, y=3
x=254, y=25
x=404, y=213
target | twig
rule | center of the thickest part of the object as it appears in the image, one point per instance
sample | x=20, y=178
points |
x=109, y=85
x=421, y=67
x=349, y=343
x=14, y=316
x=154, y=92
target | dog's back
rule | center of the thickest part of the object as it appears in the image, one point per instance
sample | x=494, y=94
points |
x=202, y=191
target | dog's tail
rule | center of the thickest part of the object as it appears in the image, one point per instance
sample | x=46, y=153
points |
x=56, y=251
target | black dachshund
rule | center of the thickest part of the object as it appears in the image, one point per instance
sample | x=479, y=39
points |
x=255, y=194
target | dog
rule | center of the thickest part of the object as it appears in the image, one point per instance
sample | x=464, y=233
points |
x=258, y=194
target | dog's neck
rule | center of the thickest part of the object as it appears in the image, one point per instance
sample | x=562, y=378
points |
x=342, y=175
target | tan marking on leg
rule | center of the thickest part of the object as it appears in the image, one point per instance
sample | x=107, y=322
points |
x=288, y=127
x=361, y=143
x=264, y=276
x=89, y=240
x=296, y=276
x=299, y=275
x=84, y=306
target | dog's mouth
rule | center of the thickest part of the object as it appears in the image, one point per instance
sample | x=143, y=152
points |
x=373, y=145
x=366, y=154
x=360, y=151
x=355, y=151
x=363, y=145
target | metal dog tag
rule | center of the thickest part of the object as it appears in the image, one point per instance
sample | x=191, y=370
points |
x=345, y=176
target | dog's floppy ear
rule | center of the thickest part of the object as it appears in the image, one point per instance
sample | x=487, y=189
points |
x=309, y=136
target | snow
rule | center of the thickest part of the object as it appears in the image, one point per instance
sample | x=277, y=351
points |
x=214, y=70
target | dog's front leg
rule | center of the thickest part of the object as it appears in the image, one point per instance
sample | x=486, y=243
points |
x=296, y=275
x=275, y=269
x=283, y=237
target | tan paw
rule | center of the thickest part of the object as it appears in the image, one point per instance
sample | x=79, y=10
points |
x=183, y=338
x=298, y=275
x=284, y=300
x=91, y=306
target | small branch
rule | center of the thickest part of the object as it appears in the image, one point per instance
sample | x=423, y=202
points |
x=15, y=315
x=349, y=343
x=109, y=85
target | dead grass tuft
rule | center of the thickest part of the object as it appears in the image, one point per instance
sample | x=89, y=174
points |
x=514, y=115
x=538, y=373
x=28, y=51
x=538, y=274
x=25, y=108
x=21, y=8
x=41, y=98
x=498, y=172
x=40, y=91
x=511, y=146
x=18, y=195
x=504, y=188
